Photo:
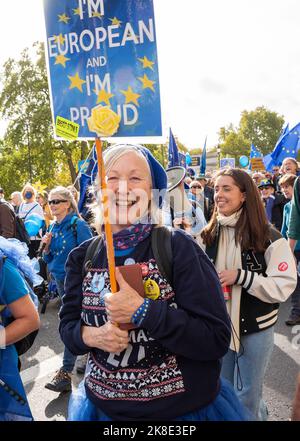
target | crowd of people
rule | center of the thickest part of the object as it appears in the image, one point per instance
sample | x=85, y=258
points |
x=190, y=331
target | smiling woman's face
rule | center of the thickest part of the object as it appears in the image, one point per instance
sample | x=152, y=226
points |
x=129, y=190
x=228, y=196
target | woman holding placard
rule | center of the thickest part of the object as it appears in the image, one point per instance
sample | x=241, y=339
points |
x=162, y=362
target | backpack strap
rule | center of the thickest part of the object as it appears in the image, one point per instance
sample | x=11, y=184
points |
x=161, y=243
x=36, y=205
x=91, y=252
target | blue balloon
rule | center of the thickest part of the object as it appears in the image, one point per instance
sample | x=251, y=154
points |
x=244, y=161
x=33, y=224
x=188, y=159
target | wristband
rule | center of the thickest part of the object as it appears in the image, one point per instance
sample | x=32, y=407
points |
x=139, y=315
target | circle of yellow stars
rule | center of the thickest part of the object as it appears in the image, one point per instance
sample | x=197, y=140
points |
x=103, y=96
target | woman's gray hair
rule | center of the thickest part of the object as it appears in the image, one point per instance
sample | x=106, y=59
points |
x=110, y=157
x=115, y=152
x=66, y=194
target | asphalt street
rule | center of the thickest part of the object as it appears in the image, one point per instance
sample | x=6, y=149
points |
x=45, y=357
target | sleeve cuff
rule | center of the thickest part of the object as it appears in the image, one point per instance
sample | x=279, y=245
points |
x=245, y=278
x=82, y=347
x=153, y=316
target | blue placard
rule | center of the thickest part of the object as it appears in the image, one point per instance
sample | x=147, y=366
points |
x=103, y=52
x=227, y=162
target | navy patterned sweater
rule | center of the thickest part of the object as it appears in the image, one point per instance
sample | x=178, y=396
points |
x=172, y=364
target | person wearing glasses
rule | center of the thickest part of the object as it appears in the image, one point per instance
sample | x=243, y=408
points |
x=67, y=232
x=197, y=194
x=274, y=202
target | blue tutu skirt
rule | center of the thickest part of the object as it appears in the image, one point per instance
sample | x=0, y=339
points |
x=225, y=407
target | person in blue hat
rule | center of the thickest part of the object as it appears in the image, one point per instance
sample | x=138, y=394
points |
x=153, y=355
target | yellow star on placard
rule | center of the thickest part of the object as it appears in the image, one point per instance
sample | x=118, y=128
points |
x=146, y=63
x=115, y=21
x=64, y=18
x=61, y=59
x=97, y=14
x=131, y=96
x=103, y=96
x=147, y=84
x=59, y=39
x=77, y=82
x=76, y=11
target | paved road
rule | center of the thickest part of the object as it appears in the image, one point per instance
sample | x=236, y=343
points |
x=41, y=362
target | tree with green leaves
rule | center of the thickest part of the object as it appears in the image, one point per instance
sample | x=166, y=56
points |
x=261, y=127
x=29, y=152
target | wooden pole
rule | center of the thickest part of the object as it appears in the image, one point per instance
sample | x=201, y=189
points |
x=107, y=225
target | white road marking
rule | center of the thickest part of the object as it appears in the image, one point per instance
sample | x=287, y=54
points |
x=41, y=370
x=285, y=344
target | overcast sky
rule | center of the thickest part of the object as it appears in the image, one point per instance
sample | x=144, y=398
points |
x=216, y=58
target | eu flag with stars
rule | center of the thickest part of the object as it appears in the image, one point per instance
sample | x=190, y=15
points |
x=268, y=159
x=104, y=52
x=87, y=179
x=182, y=159
x=288, y=146
x=173, y=154
x=254, y=153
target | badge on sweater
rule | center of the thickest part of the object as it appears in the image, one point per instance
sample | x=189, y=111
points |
x=97, y=283
x=151, y=288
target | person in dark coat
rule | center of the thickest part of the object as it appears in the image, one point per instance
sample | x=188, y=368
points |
x=273, y=202
x=7, y=220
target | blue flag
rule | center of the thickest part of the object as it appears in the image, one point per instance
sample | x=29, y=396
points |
x=182, y=159
x=203, y=159
x=268, y=159
x=103, y=52
x=287, y=146
x=268, y=162
x=254, y=152
x=87, y=179
x=173, y=154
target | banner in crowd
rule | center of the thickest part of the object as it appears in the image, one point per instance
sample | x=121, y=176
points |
x=103, y=52
x=227, y=162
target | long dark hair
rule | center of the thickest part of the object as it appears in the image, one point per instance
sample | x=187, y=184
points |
x=252, y=230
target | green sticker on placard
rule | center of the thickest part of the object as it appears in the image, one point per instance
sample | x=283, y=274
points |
x=66, y=129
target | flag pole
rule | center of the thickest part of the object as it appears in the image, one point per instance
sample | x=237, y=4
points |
x=107, y=225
